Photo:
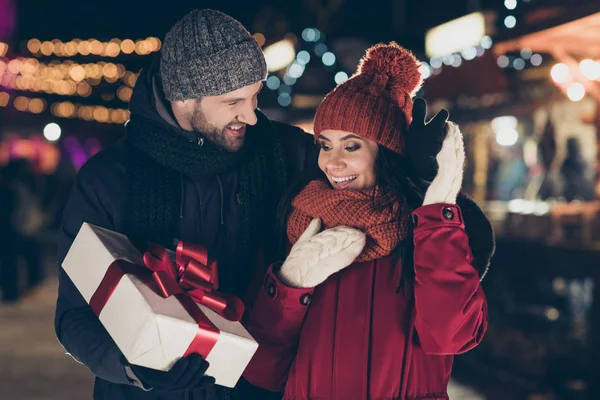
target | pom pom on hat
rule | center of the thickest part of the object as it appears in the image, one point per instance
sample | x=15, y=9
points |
x=398, y=63
x=376, y=102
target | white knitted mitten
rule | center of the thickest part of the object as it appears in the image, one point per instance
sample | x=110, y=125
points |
x=316, y=256
x=451, y=159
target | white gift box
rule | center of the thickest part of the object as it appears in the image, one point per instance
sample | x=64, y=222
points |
x=150, y=330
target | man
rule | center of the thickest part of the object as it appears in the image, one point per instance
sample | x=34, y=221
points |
x=200, y=164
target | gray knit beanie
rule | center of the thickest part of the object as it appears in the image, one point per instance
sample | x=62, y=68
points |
x=209, y=53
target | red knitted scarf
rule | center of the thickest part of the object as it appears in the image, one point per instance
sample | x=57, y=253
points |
x=378, y=218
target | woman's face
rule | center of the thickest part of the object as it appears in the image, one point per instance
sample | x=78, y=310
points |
x=347, y=160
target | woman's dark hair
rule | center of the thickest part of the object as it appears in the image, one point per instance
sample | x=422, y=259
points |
x=392, y=174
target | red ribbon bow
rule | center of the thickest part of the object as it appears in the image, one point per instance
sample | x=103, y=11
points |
x=194, y=275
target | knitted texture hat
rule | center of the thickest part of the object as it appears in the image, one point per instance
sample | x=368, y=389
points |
x=376, y=102
x=209, y=53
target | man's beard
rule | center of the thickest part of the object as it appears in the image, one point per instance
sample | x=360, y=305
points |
x=215, y=134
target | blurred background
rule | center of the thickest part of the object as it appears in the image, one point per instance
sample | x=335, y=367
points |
x=521, y=77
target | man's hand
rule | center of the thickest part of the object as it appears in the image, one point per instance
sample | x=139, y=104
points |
x=424, y=140
x=185, y=375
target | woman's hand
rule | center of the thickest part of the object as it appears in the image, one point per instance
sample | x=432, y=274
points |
x=447, y=183
x=316, y=256
x=424, y=140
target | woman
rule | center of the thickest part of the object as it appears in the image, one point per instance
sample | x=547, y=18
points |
x=376, y=305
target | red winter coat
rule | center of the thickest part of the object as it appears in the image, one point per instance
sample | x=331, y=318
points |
x=358, y=338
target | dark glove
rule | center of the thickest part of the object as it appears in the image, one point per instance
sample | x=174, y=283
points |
x=424, y=140
x=187, y=374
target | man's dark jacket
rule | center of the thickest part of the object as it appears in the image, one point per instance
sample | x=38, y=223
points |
x=210, y=216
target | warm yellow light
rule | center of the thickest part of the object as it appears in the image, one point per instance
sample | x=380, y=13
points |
x=9, y=81
x=47, y=86
x=66, y=109
x=576, y=91
x=116, y=116
x=279, y=55
x=21, y=103
x=32, y=83
x=127, y=46
x=54, y=109
x=93, y=71
x=47, y=48
x=86, y=113
x=124, y=93
x=121, y=70
x=29, y=67
x=96, y=46
x=140, y=47
x=37, y=84
x=112, y=49
x=3, y=49
x=70, y=49
x=560, y=73
x=77, y=73
x=14, y=66
x=110, y=71
x=19, y=82
x=59, y=48
x=34, y=45
x=130, y=79
x=101, y=114
x=84, y=48
x=55, y=87
x=260, y=39
x=37, y=106
x=4, y=98
x=65, y=88
x=151, y=44
x=84, y=89
x=456, y=35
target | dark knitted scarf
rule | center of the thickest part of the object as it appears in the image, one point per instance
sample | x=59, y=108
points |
x=159, y=156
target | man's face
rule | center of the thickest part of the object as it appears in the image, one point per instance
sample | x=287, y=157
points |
x=222, y=119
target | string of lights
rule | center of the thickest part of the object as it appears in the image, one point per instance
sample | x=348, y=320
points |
x=66, y=109
x=92, y=47
x=67, y=78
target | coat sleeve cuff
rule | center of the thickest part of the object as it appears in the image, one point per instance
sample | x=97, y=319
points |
x=436, y=215
x=288, y=297
x=135, y=380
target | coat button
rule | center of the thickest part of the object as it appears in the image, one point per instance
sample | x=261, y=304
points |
x=271, y=289
x=415, y=220
x=306, y=299
x=448, y=213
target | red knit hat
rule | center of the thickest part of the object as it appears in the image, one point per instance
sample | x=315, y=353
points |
x=376, y=102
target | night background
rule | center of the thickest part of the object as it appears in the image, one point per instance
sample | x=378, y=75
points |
x=525, y=91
